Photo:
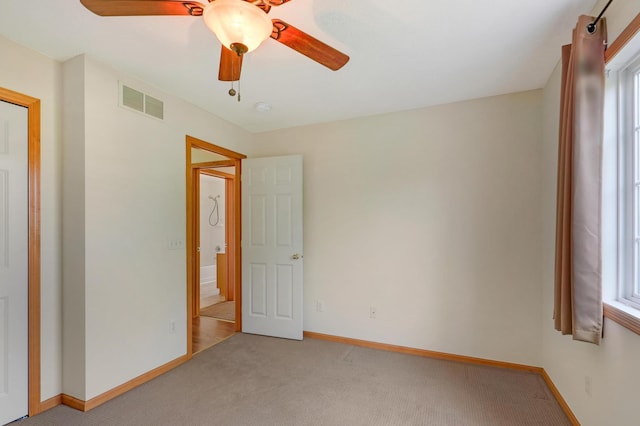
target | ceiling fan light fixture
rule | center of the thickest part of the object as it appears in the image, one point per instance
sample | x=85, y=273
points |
x=240, y=26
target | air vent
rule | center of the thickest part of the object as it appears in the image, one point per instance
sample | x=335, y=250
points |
x=141, y=102
x=153, y=107
x=132, y=98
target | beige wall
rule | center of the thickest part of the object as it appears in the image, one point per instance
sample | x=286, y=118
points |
x=73, y=238
x=133, y=203
x=32, y=74
x=612, y=366
x=123, y=170
x=432, y=217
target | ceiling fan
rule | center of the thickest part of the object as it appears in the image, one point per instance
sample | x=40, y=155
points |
x=240, y=25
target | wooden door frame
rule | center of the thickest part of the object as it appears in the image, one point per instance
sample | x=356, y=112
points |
x=234, y=251
x=33, y=108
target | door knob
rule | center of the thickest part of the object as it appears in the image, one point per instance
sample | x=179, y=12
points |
x=296, y=256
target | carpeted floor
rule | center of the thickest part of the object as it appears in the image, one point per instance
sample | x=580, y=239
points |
x=255, y=380
x=224, y=311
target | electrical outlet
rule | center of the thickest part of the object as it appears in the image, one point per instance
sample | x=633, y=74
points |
x=319, y=306
x=373, y=312
x=587, y=385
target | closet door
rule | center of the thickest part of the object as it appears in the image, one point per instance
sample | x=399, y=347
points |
x=13, y=262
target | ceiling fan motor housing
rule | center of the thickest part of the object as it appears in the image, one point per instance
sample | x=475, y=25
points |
x=237, y=23
x=239, y=48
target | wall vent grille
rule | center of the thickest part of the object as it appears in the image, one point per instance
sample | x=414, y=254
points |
x=154, y=107
x=141, y=102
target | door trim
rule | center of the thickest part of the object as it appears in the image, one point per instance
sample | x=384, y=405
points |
x=33, y=107
x=234, y=249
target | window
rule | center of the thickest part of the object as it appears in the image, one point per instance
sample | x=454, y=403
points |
x=629, y=183
x=621, y=181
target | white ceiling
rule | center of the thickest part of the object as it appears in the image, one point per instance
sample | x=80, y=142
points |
x=405, y=54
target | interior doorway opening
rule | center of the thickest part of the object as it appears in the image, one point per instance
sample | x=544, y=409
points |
x=35, y=404
x=213, y=244
x=214, y=222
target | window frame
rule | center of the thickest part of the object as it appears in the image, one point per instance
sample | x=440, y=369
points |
x=628, y=81
x=617, y=56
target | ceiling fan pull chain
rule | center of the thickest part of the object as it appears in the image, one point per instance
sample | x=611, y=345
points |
x=232, y=91
x=238, y=90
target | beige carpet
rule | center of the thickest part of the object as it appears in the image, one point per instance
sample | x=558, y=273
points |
x=224, y=311
x=250, y=380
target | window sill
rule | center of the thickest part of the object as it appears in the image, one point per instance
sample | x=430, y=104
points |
x=623, y=315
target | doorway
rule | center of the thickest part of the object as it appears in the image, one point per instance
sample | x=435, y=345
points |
x=213, y=243
x=215, y=190
x=32, y=105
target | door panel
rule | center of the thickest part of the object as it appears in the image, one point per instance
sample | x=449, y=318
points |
x=272, y=246
x=13, y=262
x=258, y=290
x=284, y=292
x=258, y=206
x=283, y=221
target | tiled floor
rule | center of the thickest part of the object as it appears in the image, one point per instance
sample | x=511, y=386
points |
x=210, y=295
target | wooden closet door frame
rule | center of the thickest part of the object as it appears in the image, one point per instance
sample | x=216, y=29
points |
x=33, y=108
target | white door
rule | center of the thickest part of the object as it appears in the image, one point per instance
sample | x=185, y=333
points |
x=272, y=246
x=13, y=262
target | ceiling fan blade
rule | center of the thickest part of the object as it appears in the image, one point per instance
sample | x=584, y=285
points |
x=309, y=46
x=266, y=5
x=276, y=2
x=230, y=65
x=143, y=7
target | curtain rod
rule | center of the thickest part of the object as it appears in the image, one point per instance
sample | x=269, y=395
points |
x=592, y=26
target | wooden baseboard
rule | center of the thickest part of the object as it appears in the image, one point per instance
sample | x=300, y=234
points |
x=73, y=402
x=422, y=352
x=48, y=404
x=81, y=405
x=451, y=357
x=560, y=399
